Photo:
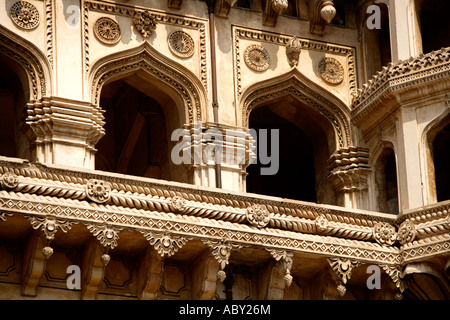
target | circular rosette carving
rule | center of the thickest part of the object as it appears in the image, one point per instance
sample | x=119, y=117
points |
x=9, y=180
x=258, y=215
x=145, y=23
x=384, y=233
x=98, y=190
x=177, y=204
x=257, y=58
x=107, y=30
x=321, y=223
x=406, y=232
x=331, y=70
x=181, y=44
x=24, y=15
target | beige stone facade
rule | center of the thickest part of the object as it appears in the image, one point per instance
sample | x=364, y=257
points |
x=93, y=205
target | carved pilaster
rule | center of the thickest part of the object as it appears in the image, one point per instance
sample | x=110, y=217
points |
x=349, y=169
x=63, y=131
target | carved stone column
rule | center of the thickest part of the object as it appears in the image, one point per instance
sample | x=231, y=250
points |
x=63, y=131
x=349, y=169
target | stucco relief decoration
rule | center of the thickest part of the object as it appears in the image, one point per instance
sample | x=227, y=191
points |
x=145, y=23
x=98, y=190
x=331, y=70
x=107, y=30
x=177, y=204
x=257, y=58
x=9, y=180
x=181, y=44
x=49, y=225
x=384, y=233
x=321, y=223
x=166, y=244
x=406, y=232
x=25, y=15
x=258, y=215
x=105, y=235
x=293, y=49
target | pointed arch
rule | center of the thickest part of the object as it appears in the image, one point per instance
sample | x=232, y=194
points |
x=37, y=71
x=294, y=84
x=169, y=76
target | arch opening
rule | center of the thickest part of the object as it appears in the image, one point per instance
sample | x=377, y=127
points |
x=14, y=95
x=306, y=141
x=434, y=24
x=440, y=148
x=139, y=119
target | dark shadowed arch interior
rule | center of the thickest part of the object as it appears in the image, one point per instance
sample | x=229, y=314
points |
x=13, y=99
x=138, y=126
x=386, y=182
x=306, y=140
x=441, y=158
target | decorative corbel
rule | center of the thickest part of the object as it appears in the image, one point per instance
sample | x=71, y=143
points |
x=166, y=244
x=33, y=263
x=321, y=12
x=221, y=251
x=293, y=49
x=273, y=9
x=174, y=4
x=223, y=7
x=286, y=259
x=150, y=273
x=204, y=276
x=343, y=269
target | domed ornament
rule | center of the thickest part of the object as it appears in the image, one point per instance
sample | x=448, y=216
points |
x=331, y=70
x=257, y=58
x=24, y=15
x=107, y=30
x=181, y=44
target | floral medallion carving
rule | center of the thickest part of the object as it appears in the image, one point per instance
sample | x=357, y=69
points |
x=257, y=58
x=9, y=180
x=258, y=215
x=331, y=70
x=98, y=190
x=321, y=223
x=181, y=44
x=145, y=23
x=107, y=30
x=406, y=232
x=25, y=15
x=384, y=233
x=177, y=204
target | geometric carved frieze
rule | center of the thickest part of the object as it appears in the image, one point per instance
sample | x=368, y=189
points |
x=24, y=15
x=107, y=30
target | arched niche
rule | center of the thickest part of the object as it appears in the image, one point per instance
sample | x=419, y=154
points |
x=145, y=97
x=385, y=180
x=312, y=124
x=24, y=78
x=438, y=158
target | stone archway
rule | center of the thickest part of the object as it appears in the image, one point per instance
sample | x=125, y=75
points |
x=322, y=121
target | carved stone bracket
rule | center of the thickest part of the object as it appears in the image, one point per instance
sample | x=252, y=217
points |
x=343, y=269
x=166, y=244
x=145, y=23
x=395, y=273
x=286, y=260
x=49, y=225
x=293, y=48
x=221, y=251
x=321, y=12
x=223, y=7
x=273, y=9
